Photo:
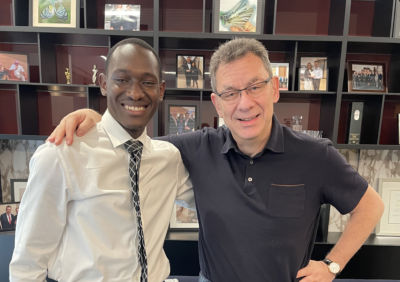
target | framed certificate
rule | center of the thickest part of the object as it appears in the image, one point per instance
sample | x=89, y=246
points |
x=389, y=225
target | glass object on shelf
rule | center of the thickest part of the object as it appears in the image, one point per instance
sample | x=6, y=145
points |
x=313, y=133
x=297, y=123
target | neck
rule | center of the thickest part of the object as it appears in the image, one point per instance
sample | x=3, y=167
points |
x=254, y=146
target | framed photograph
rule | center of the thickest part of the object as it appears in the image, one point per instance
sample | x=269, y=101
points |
x=18, y=187
x=238, y=16
x=366, y=76
x=5, y=224
x=389, y=190
x=313, y=73
x=281, y=70
x=122, y=17
x=14, y=66
x=180, y=117
x=183, y=218
x=55, y=13
x=189, y=71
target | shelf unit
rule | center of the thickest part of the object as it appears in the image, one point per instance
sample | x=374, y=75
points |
x=337, y=29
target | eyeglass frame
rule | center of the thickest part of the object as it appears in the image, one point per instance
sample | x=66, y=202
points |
x=239, y=91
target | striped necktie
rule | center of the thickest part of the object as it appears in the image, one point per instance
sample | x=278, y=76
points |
x=135, y=151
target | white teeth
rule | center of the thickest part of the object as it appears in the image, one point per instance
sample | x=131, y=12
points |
x=134, y=108
x=246, y=119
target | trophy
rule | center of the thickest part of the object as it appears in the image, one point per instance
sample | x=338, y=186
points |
x=67, y=75
x=94, y=75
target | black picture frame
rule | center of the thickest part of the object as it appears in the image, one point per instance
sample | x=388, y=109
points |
x=366, y=76
x=308, y=82
x=193, y=77
x=180, y=117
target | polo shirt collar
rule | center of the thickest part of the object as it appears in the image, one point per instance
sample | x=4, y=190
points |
x=275, y=142
x=118, y=135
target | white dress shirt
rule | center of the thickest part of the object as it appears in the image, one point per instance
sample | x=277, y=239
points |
x=76, y=220
x=318, y=73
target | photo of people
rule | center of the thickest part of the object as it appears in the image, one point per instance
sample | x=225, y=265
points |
x=181, y=119
x=313, y=73
x=8, y=216
x=366, y=77
x=183, y=217
x=14, y=67
x=281, y=70
x=122, y=17
x=189, y=72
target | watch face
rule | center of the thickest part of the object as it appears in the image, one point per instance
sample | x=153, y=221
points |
x=334, y=267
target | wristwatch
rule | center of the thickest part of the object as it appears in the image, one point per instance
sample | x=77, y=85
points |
x=333, y=267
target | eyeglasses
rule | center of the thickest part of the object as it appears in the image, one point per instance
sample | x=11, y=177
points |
x=255, y=90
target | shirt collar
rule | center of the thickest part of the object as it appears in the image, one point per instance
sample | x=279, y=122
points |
x=118, y=135
x=274, y=144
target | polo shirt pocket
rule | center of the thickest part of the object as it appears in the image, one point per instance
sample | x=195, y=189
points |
x=286, y=200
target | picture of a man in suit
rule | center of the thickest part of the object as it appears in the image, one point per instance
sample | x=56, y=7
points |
x=7, y=219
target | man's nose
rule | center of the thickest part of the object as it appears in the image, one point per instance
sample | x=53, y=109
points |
x=135, y=91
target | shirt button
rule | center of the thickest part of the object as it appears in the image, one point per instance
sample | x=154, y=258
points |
x=251, y=162
x=250, y=179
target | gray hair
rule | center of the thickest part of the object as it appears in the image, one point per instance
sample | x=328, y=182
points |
x=235, y=49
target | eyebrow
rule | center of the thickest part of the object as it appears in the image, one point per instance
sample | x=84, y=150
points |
x=123, y=71
x=229, y=88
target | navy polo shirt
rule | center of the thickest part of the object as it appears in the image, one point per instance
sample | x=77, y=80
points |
x=258, y=216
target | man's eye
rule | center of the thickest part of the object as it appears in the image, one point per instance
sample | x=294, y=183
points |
x=120, y=80
x=149, y=83
x=255, y=87
x=229, y=94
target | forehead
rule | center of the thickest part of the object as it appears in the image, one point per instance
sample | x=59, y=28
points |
x=241, y=70
x=133, y=58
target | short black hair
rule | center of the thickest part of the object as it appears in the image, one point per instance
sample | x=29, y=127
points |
x=134, y=41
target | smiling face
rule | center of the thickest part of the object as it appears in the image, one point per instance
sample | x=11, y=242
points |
x=249, y=119
x=132, y=86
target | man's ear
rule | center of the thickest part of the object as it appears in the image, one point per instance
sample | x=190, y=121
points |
x=162, y=90
x=217, y=104
x=275, y=87
x=103, y=84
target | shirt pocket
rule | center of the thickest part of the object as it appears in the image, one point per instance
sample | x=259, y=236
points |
x=286, y=200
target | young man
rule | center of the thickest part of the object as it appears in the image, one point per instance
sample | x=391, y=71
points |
x=87, y=206
x=259, y=185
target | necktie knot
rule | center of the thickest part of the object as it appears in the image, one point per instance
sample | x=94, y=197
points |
x=133, y=146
